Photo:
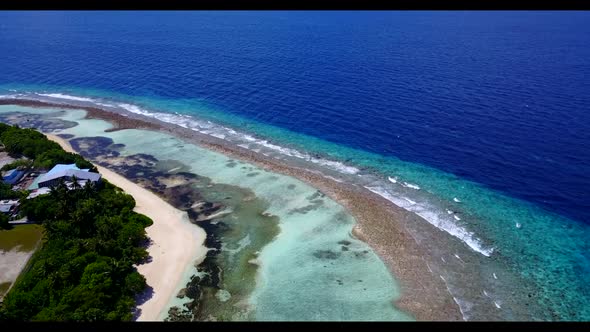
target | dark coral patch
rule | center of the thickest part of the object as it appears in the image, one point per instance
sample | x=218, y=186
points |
x=304, y=209
x=42, y=122
x=326, y=254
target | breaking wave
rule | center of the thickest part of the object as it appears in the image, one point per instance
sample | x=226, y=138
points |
x=64, y=96
x=438, y=220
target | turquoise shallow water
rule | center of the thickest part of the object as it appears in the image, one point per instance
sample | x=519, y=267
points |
x=304, y=273
x=288, y=263
x=542, y=249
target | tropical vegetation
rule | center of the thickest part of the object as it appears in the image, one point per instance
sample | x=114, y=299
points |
x=84, y=270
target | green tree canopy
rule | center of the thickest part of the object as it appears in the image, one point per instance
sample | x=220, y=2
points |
x=84, y=270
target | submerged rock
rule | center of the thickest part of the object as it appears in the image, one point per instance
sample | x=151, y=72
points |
x=223, y=295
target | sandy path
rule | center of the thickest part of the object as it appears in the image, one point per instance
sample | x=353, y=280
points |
x=11, y=264
x=176, y=242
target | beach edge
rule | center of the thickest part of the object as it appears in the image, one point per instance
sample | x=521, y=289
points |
x=175, y=243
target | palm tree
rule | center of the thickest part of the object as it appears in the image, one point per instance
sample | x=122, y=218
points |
x=59, y=191
x=89, y=189
x=75, y=184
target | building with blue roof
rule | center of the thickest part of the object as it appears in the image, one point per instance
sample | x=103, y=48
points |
x=67, y=172
x=12, y=176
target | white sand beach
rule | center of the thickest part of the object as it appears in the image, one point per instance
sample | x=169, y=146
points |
x=176, y=243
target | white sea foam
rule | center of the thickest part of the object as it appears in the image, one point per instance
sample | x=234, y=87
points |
x=460, y=305
x=248, y=138
x=134, y=109
x=231, y=131
x=64, y=96
x=464, y=306
x=410, y=185
x=518, y=225
x=336, y=165
x=410, y=201
x=437, y=220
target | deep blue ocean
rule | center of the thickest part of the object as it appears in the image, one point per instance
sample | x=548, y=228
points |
x=498, y=99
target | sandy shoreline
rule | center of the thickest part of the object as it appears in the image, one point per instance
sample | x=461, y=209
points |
x=380, y=224
x=176, y=243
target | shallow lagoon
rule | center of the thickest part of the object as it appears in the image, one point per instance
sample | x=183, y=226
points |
x=313, y=270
